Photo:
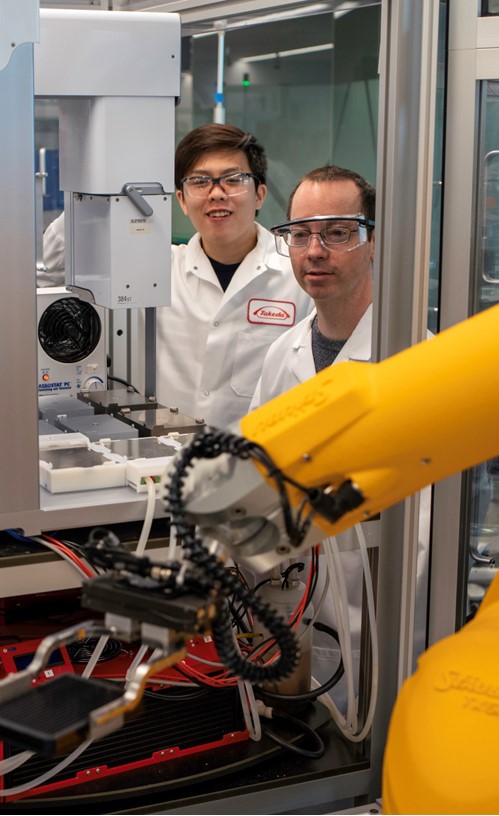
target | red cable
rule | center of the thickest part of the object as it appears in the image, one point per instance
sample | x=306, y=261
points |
x=72, y=555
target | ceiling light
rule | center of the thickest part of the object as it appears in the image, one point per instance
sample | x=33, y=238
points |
x=291, y=53
x=276, y=17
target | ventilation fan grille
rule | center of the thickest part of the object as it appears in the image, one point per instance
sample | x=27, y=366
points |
x=69, y=330
x=80, y=651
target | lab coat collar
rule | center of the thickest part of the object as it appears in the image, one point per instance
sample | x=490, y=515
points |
x=303, y=361
x=196, y=261
x=357, y=347
x=262, y=258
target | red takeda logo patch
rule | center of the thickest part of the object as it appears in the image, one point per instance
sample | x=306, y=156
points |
x=271, y=312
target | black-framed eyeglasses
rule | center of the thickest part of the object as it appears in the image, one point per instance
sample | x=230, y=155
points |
x=232, y=184
x=344, y=232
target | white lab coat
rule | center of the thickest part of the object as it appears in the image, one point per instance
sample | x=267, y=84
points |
x=289, y=362
x=211, y=343
x=53, y=255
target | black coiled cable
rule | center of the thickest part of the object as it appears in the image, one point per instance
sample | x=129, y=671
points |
x=210, y=444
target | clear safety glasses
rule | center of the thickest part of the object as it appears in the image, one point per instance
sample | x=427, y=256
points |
x=342, y=232
x=232, y=184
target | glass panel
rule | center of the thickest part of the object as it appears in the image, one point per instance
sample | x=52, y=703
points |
x=306, y=106
x=490, y=7
x=484, y=482
x=47, y=157
x=488, y=261
x=438, y=157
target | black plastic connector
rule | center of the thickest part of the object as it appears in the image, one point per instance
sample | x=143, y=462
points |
x=334, y=505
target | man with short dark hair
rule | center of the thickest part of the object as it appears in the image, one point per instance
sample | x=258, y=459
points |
x=232, y=293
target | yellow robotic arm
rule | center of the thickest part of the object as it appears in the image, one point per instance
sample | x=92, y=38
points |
x=334, y=451
x=370, y=435
x=441, y=750
x=354, y=440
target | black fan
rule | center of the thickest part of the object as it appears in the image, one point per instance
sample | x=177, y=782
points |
x=80, y=651
x=69, y=330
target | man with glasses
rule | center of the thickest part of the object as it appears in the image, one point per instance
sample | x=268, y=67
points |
x=232, y=293
x=329, y=237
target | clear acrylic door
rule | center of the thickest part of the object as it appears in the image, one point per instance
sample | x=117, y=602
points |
x=484, y=486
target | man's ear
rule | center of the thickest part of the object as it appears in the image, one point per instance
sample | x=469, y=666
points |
x=261, y=194
x=372, y=247
x=180, y=199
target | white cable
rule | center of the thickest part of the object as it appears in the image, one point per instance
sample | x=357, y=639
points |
x=184, y=566
x=11, y=763
x=327, y=701
x=163, y=682
x=325, y=698
x=340, y=600
x=199, y=659
x=371, y=609
x=172, y=545
x=99, y=648
x=156, y=655
x=250, y=710
x=36, y=783
x=62, y=554
x=146, y=527
x=135, y=662
x=345, y=632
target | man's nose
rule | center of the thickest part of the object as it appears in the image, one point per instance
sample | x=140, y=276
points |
x=316, y=245
x=217, y=190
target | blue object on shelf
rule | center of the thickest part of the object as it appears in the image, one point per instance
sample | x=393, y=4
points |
x=47, y=160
